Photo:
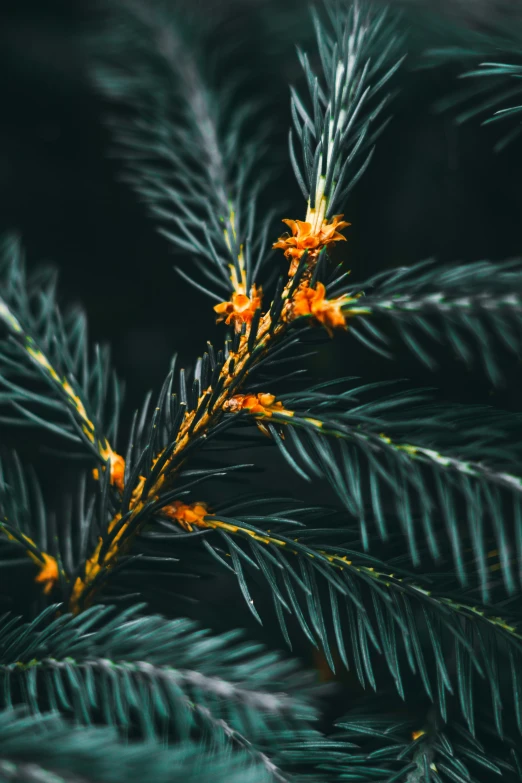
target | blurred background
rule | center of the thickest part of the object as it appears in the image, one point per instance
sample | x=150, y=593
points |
x=433, y=189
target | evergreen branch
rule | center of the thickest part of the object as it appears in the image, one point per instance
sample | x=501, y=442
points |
x=151, y=475
x=45, y=747
x=184, y=422
x=153, y=674
x=444, y=480
x=181, y=145
x=59, y=545
x=452, y=645
x=196, y=414
x=389, y=748
x=420, y=461
x=360, y=49
x=473, y=308
x=42, y=345
x=24, y=522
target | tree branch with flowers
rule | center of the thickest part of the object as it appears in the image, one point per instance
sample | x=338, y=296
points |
x=415, y=561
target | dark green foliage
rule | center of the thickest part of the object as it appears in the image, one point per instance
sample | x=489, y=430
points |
x=180, y=144
x=392, y=748
x=22, y=512
x=360, y=48
x=358, y=608
x=421, y=462
x=406, y=570
x=472, y=309
x=118, y=668
x=68, y=536
x=69, y=662
x=46, y=372
x=46, y=748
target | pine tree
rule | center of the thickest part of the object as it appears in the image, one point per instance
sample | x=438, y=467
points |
x=410, y=576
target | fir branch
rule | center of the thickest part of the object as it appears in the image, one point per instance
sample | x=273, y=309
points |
x=185, y=148
x=24, y=522
x=360, y=48
x=397, y=747
x=151, y=475
x=473, y=308
x=146, y=484
x=371, y=608
x=422, y=460
x=152, y=674
x=185, y=422
x=45, y=747
x=42, y=346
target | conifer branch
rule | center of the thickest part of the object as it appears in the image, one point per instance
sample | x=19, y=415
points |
x=382, y=600
x=149, y=485
x=397, y=748
x=432, y=482
x=360, y=49
x=184, y=422
x=24, y=523
x=46, y=747
x=442, y=469
x=160, y=673
x=43, y=345
x=187, y=152
x=474, y=308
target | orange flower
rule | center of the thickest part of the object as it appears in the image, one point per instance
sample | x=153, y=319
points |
x=187, y=515
x=305, y=236
x=311, y=301
x=240, y=309
x=48, y=575
x=261, y=404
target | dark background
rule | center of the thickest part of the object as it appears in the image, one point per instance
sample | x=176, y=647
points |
x=433, y=189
